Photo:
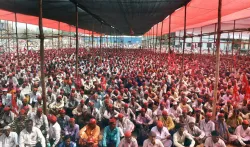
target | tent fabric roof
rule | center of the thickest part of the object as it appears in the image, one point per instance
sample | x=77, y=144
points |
x=125, y=16
x=21, y=18
x=204, y=12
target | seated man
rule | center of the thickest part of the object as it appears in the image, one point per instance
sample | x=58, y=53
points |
x=72, y=130
x=67, y=142
x=207, y=125
x=197, y=134
x=8, y=117
x=111, y=134
x=152, y=141
x=214, y=141
x=90, y=130
x=31, y=136
x=242, y=134
x=128, y=140
x=124, y=124
x=8, y=138
x=167, y=121
x=182, y=138
x=40, y=121
x=162, y=134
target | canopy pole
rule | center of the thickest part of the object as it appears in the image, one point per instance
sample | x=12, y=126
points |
x=161, y=35
x=92, y=36
x=52, y=39
x=77, y=45
x=240, y=43
x=201, y=41
x=217, y=59
x=208, y=49
x=153, y=39
x=179, y=40
x=41, y=36
x=84, y=39
x=156, y=38
x=248, y=45
x=174, y=42
x=70, y=43
x=228, y=37
x=58, y=45
x=8, y=40
x=89, y=39
x=192, y=46
x=17, y=48
x=214, y=36
x=169, y=34
x=233, y=40
x=27, y=41
x=101, y=42
x=184, y=42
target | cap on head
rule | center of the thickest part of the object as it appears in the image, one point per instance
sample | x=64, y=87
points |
x=191, y=120
x=53, y=119
x=209, y=114
x=120, y=115
x=6, y=128
x=221, y=115
x=159, y=124
x=92, y=121
x=143, y=110
x=126, y=105
x=245, y=122
x=71, y=120
x=22, y=112
x=128, y=134
x=6, y=109
x=164, y=113
x=62, y=111
x=215, y=133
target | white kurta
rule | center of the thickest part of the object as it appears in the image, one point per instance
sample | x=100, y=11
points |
x=209, y=143
x=179, y=140
x=241, y=135
x=207, y=127
x=10, y=141
x=32, y=138
x=162, y=136
x=147, y=143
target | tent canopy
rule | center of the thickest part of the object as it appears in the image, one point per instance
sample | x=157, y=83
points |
x=126, y=17
x=201, y=13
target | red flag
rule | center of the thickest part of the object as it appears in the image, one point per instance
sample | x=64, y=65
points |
x=236, y=94
x=103, y=82
x=245, y=82
x=131, y=31
x=14, y=104
x=234, y=60
x=247, y=95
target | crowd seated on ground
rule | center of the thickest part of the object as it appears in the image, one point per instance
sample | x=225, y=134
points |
x=123, y=98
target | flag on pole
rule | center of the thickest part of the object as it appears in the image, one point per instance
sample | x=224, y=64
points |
x=236, y=94
x=14, y=104
x=245, y=82
x=247, y=95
